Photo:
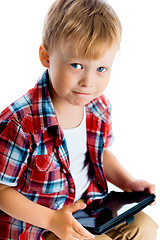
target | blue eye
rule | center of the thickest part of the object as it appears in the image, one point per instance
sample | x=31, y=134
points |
x=101, y=69
x=76, y=65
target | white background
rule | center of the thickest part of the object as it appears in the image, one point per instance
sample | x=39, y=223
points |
x=133, y=89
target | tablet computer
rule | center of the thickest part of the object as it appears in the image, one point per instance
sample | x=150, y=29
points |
x=104, y=214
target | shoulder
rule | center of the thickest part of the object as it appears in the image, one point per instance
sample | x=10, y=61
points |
x=18, y=109
x=31, y=109
x=18, y=115
x=100, y=107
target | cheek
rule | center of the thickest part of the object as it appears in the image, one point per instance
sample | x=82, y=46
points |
x=103, y=83
x=63, y=82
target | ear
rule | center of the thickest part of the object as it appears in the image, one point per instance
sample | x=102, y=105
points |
x=44, y=57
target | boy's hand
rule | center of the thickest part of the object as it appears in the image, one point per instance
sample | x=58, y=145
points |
x=65, y=226
x=140, y=185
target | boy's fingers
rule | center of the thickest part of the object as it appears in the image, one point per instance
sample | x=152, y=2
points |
x=152, y=189
x=79, y=231
x=82, y=233
x=77, y=206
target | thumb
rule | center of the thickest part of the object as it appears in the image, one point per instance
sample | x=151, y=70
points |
x=77, y=206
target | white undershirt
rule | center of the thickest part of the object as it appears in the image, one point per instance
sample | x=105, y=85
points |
x=77, y=147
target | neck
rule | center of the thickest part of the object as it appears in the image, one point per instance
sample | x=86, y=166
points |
x=70, y=118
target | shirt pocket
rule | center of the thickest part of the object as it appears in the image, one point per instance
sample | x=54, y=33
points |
x=46, y=175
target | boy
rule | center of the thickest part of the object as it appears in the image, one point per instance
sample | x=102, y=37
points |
x=54, y=139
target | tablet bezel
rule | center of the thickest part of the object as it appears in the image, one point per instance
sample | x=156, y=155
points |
x=126, y=216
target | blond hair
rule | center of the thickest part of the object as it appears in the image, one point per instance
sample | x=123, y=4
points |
x=90, y=26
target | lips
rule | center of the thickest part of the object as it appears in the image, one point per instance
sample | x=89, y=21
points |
x=82, y=93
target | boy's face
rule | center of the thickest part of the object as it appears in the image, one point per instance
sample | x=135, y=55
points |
x=77, y=81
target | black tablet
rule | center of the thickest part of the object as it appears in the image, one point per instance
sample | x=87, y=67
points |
x=104, y=214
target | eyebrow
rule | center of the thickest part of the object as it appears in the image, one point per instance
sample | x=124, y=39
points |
x=70, y=56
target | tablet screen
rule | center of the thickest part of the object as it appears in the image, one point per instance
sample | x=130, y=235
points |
x=106, y=213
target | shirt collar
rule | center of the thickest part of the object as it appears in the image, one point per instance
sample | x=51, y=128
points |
x=100, y=108
x=43, y=111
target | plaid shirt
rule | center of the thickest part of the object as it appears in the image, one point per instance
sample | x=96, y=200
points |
x=34, y=157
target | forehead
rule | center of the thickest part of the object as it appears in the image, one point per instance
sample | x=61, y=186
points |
x=107, y=55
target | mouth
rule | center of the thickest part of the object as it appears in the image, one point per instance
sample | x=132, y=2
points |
x=81, y=93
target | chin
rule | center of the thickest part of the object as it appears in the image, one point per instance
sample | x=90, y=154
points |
x=81, y=103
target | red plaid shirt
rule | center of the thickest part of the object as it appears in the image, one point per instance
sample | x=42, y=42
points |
x=34, y=157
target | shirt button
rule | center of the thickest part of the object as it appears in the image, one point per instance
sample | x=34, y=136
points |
x=71, y=190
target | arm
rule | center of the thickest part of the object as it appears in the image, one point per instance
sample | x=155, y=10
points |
x=61, y=222
x=118, y=176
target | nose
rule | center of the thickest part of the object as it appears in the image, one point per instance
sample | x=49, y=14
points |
x=86, y=80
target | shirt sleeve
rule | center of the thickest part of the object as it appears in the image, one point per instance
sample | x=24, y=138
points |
x=14, y=152
x=109, y=138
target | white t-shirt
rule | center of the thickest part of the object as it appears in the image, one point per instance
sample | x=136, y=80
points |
x=77, y=146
